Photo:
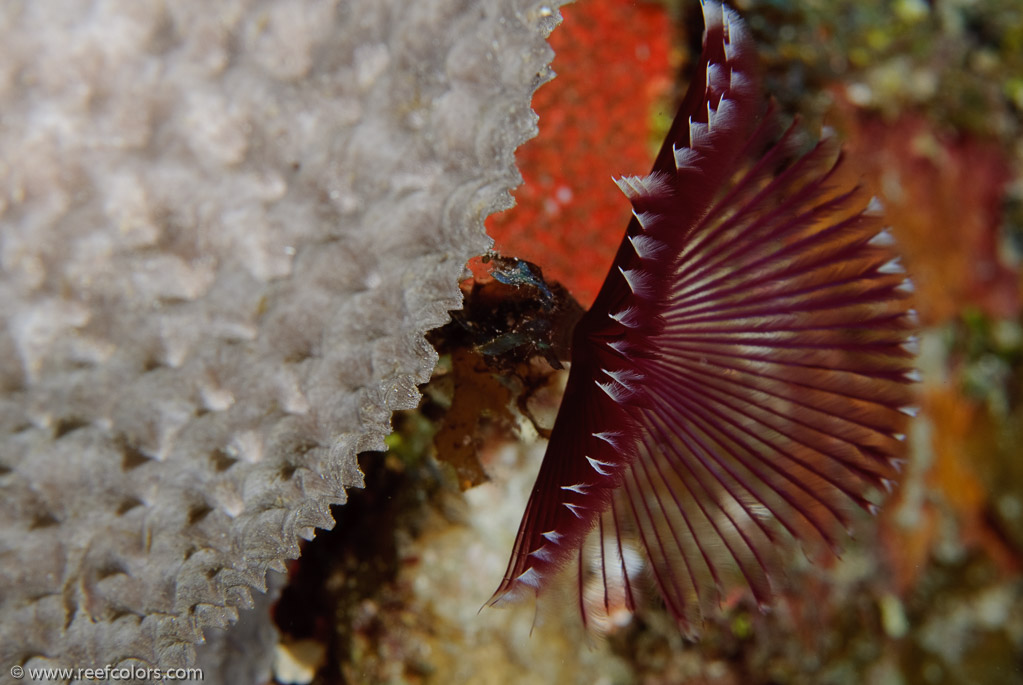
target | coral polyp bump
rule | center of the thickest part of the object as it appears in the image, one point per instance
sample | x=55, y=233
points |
x=742, y=377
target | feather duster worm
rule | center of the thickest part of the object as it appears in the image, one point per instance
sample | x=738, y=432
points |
x=744, y=371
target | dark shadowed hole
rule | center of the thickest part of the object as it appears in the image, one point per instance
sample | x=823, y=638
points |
x=43, y=520
x=198, y=512
x=67, y=425
x=111, y=569
x=221, y=461
x=127, y=505
x=131, y=456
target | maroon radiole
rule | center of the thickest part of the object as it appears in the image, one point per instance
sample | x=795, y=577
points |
x=743, y=375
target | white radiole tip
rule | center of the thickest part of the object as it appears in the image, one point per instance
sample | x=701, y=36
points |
x=874, y=207
x=712, y=15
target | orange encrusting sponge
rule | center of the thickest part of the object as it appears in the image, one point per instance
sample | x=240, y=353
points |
x=595, y=123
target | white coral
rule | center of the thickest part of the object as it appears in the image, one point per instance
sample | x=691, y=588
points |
x=224, y=228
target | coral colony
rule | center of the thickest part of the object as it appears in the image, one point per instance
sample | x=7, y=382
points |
x=743, y=375
x=224, y=231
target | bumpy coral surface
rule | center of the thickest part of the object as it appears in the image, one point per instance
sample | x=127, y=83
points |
x=223, y=230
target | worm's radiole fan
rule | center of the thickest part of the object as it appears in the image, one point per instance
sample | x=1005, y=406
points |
x=744, y=373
